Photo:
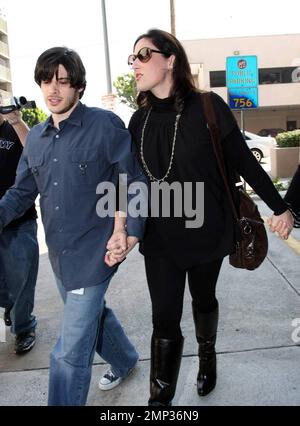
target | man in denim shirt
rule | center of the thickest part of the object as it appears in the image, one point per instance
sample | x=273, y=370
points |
x=64, y=160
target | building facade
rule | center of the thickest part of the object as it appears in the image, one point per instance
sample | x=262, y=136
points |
x=5, y=74
x=279, y=75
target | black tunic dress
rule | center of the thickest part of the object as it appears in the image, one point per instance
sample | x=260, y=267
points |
x=194, y=161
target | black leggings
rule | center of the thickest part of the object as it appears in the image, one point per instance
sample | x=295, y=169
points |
x=166, y=283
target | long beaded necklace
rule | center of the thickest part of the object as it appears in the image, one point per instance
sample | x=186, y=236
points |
x=150, y=175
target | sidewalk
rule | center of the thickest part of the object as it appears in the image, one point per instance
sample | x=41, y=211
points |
x=258, y=361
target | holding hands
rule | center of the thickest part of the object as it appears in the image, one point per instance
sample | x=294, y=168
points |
x=282, y=224
x=118, y=246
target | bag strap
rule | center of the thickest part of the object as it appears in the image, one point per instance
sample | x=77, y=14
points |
x=210, y=116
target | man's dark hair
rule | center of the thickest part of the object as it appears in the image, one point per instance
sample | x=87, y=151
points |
x=49, y=61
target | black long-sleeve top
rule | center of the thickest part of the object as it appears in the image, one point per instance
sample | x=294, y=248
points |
x=194, y=161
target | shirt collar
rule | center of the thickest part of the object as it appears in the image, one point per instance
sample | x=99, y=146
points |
x=75, y=118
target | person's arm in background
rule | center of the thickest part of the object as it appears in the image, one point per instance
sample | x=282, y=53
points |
x=14, y=118
x=292, y=197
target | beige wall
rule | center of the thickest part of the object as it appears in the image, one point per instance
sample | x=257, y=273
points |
x=278, y=103
x=5, y=75
x=256, y=120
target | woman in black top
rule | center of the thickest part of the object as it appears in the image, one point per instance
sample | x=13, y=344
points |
x=173, y=140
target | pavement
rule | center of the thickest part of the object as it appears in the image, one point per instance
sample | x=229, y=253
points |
x=258, y=345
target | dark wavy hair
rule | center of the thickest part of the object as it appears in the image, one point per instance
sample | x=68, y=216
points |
x=183, y=82
x=49, y=61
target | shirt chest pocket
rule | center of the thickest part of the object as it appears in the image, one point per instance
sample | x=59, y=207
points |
x=37, y=166
x=85, y=168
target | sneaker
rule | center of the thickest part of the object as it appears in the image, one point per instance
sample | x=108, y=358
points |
x=24, y=342
x=110, y=380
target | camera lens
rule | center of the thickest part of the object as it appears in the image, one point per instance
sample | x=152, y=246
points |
x=22, y=100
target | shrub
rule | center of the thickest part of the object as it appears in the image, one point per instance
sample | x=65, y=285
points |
x=126, y=91
x=33, y=116
x=279, y=185
x=288, y=139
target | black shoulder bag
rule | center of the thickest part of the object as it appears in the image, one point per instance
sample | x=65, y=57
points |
x=252, y=246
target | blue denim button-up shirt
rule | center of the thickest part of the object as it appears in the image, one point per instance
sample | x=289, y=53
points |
x=65, y=166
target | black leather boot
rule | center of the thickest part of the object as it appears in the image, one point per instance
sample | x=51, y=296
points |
x=206, y=325
x=165, y=364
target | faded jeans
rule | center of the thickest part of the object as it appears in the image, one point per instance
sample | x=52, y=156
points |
x=88, y=326
x=19, y=261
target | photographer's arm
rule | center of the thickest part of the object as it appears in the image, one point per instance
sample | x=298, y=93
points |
x=20, y=127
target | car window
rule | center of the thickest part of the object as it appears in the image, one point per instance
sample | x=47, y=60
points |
x=270, y=132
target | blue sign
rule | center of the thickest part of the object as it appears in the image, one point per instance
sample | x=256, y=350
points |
x=242, y=82
x=243, y=98
x=241, y=71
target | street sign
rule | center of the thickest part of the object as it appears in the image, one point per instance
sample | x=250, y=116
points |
x=242, y=82
x=243, y=98
x=241, y=71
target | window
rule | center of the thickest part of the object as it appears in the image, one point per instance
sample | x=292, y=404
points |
x=266, y=76
x=217, y=78
x=275, y=75
x=291, y=125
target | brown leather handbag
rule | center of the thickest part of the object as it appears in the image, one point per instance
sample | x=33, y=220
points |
x=251, y=246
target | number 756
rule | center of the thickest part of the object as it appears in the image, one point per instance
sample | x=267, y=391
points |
x=242, y=103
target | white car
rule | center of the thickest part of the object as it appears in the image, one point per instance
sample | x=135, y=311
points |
x=259, y=145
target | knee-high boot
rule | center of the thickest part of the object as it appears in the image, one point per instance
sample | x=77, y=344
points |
x=165, y=364
x=206, y=325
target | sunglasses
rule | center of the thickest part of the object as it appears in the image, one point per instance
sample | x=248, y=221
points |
x=144, y=55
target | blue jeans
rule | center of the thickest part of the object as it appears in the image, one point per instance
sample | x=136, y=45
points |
x=88, y=326
x=19, y=262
